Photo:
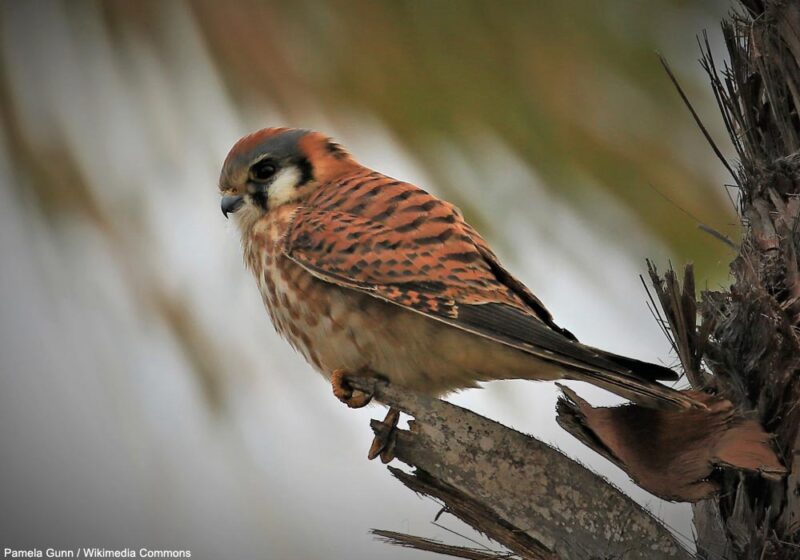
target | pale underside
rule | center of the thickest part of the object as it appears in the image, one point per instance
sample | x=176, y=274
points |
x=338, y=328
x=377, y=277
x=362, y=334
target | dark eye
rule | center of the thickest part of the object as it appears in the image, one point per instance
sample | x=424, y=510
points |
x=262, y=170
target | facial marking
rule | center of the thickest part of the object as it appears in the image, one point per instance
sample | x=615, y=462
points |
x=283, y=188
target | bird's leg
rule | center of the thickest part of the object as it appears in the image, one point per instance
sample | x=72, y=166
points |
x=384, y=441
x=345, y=393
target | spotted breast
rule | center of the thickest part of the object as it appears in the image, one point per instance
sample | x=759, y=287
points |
x=334, y=327
x=364, y=273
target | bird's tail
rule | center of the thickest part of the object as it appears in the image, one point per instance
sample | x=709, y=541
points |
x=634, y=380
x=647, y=393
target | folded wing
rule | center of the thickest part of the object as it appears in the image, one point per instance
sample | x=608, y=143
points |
x=400, y=244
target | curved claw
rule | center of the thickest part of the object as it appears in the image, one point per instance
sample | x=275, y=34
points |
x=353, y=398
x=384, y=441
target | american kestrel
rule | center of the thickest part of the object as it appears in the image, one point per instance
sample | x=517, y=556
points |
x=367, y=275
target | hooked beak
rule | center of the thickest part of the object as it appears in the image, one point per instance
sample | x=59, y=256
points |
x=231, y=204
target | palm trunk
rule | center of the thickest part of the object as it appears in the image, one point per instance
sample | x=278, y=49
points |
x=748, y=337
x=743, y=356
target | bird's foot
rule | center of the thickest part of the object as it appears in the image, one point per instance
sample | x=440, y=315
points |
x=353, y=398
x=385, y=438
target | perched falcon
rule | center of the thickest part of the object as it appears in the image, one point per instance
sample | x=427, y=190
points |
x=364, y=274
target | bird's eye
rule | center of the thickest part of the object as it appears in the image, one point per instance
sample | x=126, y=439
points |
x=262, y=170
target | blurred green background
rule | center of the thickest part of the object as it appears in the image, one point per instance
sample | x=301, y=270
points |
x=141, y=379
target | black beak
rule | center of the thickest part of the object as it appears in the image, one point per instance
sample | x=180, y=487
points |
x=231, y=204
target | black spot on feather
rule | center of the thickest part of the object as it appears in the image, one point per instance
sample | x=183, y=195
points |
x=411, y=226
x=335, y=150
x=466, y=257
x=425, y=207
x=306, y=172
x=434, y=239
x=401, y=196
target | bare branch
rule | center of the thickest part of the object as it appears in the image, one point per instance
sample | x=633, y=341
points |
x=519, y=491
x=429, y=545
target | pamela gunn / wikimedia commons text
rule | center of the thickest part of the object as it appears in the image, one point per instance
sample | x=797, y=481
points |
x=94, y=553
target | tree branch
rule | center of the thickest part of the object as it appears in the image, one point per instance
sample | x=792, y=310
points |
x=744, y=354
x=748, y=338
x=522, y=493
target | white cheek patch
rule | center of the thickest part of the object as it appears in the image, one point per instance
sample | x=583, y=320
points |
x=283, y=188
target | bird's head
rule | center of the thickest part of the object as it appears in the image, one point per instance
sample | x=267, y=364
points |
x=274, y=167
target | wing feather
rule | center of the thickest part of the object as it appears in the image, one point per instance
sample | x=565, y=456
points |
x=420, y=254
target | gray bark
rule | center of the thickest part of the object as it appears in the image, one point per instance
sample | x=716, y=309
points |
x=744, y=350
x=519, y=491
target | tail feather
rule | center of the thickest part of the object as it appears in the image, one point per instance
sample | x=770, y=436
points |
x=645, y=370
x=647, y=393
x=635, y=380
